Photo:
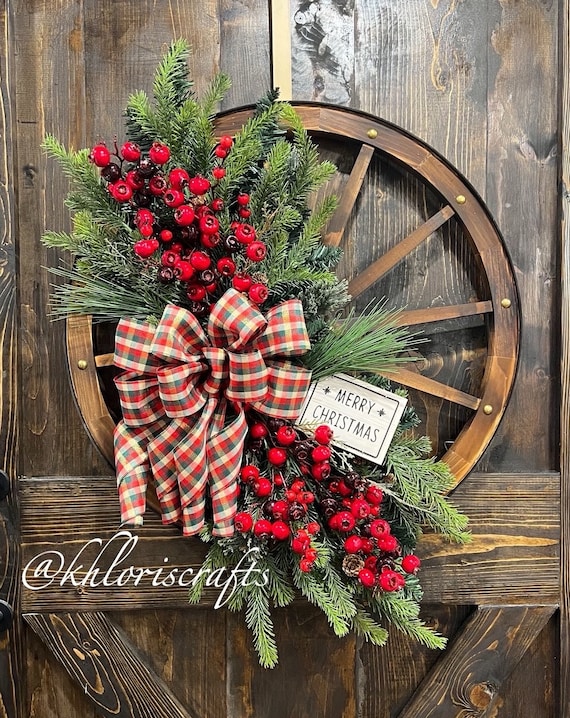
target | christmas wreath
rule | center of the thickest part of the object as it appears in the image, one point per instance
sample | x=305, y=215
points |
x=207, y=253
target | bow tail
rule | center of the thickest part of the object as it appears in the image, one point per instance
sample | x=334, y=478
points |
x=162, y=453
x=224, y=454
x=192, y=469
x=133, y=470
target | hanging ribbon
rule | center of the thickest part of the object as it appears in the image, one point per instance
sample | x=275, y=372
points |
x=183, y=391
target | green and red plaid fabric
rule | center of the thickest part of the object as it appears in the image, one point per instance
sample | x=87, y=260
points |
x=176, y=391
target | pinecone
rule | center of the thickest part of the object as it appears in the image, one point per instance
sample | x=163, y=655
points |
x=352, y=564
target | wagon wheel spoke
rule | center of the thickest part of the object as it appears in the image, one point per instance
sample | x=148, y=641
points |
x=102, y=360
x=413, y=380
x=337, y=223
x=413, y=317
x=395, y=255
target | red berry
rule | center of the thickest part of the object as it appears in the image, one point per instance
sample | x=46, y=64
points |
x=387, y=542
x=367, y=545
x=134, y=179
x=100, y=155
x=244, y=233
x=256, y=251
x=184, y=215
x=169, y=258
x=159, y=153
x=121, y=191
x=244, y=213
x=199, y=185
x=258, y=293
x=300, y=543
x=217, y=204
x=220, y=152
x=321, y=471
x=209, y=224
x=157, y=185
x=200, y=260
x=226, y=267
x=305, y=565
x=359, y=508
x=219, y=173
x=226, y=142
x=243, y=199
x=411, y=563
x=178, y=178
x=280, y=509
x=352, y=544
x=366, y=577
x=342, y=521
x=307, y=497
x=184, y=271
x=248, y=473
x=286, y=435
x=243, y=521
x=374, y=495
x=379, y=527
x=276, y=456
x=241, y=282
x=280, y=530
x=166, y=235
x=144, y=248
x=313, y=527
x=371, y=562
x=323, y=434
x=130, y=151
x=262, y=487
x=257, y=430
x=210, y=240
x=321, y=453
x=174, y=198
x=391, y=580
x=311, y=554
x=262, y=528
x=196, y=292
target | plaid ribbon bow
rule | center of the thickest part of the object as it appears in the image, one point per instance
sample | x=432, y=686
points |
x=183, y=393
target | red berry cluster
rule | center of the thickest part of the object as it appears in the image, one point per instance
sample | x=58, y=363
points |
x=176, y=219
x=314, y=498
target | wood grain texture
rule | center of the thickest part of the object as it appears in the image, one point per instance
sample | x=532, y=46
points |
x=99, y=657
x=467, y=680
x=565, y=369
x=514, y=521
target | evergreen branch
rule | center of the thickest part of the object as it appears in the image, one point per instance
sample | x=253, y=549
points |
x=403, y=613
x=364, y=625
x=371, y=342
x=317, y=593
x=258, y=620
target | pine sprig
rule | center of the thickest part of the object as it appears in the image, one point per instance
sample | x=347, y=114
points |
x=403, y=613
x=371, y=342
x=364, y=625
x=258, y=620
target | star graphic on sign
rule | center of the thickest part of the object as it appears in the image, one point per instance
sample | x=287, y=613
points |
x=327, y=390
x=381, y=412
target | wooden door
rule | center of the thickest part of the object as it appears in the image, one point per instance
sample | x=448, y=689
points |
x=479, y=82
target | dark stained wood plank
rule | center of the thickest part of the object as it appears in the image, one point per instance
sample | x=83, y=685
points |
x=565, y=369
x=315, y=675
x=99, y=657
x=469, y=676
x=413, y=379
x=393, y=672
x=51, y=431
x=522, y=168
x=514, y=520
x=186, y=649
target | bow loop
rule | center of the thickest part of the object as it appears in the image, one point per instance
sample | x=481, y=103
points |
x=234, y=322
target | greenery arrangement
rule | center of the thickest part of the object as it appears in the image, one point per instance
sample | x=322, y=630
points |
x=179, y=217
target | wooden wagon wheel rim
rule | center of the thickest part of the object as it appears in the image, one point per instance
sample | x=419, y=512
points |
x=501, y=308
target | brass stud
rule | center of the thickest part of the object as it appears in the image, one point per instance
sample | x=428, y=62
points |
x=487, y=409
x=505, y=303
x=461, y=199
x=82, y=364
x=373, y=134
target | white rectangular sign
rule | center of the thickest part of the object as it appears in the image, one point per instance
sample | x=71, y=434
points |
x=363, y=417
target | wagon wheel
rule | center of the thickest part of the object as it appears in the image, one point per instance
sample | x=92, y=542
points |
x=433, y=250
